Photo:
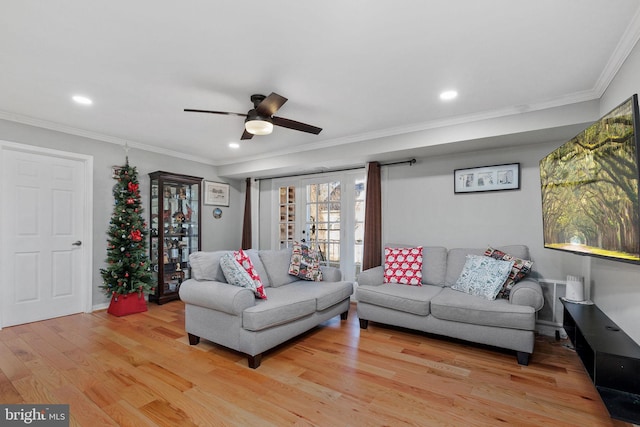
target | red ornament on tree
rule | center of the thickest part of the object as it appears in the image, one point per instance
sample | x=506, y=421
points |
x=130, y=201
x=132, y=187
x=136, y=235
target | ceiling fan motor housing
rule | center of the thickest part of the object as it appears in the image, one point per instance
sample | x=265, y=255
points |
x=257, y=99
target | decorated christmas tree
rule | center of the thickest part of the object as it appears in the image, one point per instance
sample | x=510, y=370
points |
x=127, y=268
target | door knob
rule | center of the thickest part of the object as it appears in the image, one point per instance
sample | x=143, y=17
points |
x=77, y=243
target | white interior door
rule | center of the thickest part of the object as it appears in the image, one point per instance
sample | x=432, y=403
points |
x=45, y=255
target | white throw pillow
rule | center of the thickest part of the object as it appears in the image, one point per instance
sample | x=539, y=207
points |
x=483, y=276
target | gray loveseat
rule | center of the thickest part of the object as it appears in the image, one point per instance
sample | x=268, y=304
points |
x=232, y=316
x=436, y=308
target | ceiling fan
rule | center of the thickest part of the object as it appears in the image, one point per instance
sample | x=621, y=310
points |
x=260, y=119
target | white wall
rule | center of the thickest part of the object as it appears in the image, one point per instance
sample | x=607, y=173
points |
x=222, y=233
x=616, y=286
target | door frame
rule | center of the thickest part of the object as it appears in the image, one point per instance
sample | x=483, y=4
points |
x=86, y=274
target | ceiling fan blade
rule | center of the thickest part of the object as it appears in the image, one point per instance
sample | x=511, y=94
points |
x=189, y=110
x=270, y=104
x=246, y=135
x=292, y=124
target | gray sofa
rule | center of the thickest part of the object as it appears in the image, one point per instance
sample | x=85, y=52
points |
x=436, y=308
x=232, y=316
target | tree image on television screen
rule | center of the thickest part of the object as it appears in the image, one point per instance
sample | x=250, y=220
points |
x=590, y=190
x=128, y=269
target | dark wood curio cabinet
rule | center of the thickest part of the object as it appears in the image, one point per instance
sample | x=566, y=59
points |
x=175, y=215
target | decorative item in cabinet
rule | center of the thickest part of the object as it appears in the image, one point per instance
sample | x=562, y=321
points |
x=174, y=231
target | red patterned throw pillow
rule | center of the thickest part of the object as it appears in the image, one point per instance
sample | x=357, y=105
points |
x=244, y=260
x=521, y=267
x=403, y=265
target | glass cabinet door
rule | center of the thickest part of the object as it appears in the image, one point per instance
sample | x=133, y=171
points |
x=175, y=231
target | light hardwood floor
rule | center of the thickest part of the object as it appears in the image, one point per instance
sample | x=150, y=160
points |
x=139, y=370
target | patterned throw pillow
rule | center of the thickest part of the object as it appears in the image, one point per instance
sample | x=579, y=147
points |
x=521, y=267
x=235, y=274
x=305, y=263
x=244, y=260
x=403, y=265
x=483, y=276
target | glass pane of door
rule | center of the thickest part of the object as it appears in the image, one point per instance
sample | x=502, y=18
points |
x=323, y=220
x=287, y=216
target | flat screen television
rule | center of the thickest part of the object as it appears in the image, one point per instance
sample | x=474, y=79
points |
x=590, y=189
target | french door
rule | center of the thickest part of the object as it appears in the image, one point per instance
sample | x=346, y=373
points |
x=327, y=214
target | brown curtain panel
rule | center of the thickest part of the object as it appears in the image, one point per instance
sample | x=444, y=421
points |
x=372, y=253
x=246, y=223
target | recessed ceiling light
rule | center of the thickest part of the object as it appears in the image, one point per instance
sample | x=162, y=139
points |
x=82, y=100
x=448, y=95
x=234, y=145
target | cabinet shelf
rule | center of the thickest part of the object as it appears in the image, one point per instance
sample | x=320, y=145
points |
x=175, y=211
x=610, y=357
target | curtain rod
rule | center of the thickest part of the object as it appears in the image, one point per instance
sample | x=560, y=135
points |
x=410, y=162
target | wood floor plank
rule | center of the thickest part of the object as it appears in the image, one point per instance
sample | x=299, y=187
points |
x=140, y=370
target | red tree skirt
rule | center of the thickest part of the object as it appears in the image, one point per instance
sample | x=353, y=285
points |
x=122, y=305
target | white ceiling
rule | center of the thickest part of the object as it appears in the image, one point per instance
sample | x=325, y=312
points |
x=358, y=69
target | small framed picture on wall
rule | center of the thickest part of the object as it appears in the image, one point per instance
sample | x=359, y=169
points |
x=215, y=193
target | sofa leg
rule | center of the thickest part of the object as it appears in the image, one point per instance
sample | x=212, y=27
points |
x=343, y=316
x=254, y=361
x=194, y=339
x=523, y=358
x=364, y=323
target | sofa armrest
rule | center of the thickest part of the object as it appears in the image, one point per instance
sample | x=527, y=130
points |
x=527, y=292
x=330, y=274
x=217, y=296
x=372, y=276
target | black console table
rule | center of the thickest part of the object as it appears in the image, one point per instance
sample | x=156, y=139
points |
x=610, y=357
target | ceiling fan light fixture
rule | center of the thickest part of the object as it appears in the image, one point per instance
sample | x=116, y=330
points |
x=259, y=125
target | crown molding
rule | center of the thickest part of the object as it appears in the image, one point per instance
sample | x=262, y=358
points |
x=57, y=127
x=624, y=47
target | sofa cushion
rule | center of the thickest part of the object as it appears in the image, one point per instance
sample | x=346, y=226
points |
x=460, y=307
x=456, y=259
x=434, y=265
x=403, y=265
x=483, y=276
x=409, y=299
x=206, y=266
x=276, y=264
x=243, y=259
x=326, y=294
x=279, y=308
x=521, y=267
x=305, y=263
